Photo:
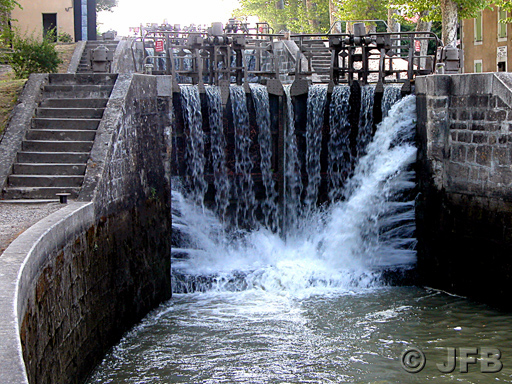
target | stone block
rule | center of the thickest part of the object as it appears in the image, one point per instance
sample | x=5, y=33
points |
x=437, y=85
x=459, y=101
x=471, y=154
x=438, y=102
x=458, y=126
x=480, y=137
x=496, y=115
x=476, y=127
x=458, y=153
x=465, y=136
x=501, y=177
x=484, y=155
x=464, y=114
x=497, y=102
x=472, y=84
x=478, y=115
x=478, y=101
x=501, y=155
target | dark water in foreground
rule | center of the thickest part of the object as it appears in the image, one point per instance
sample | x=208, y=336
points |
x=328, y=336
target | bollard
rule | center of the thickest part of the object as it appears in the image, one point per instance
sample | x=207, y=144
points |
x=63, y=197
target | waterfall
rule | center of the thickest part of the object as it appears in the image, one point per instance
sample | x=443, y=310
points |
x=365, y=119
x=292, y=168
x=246, y=200
x=345, y=245
x=390, y=97
x=218, y=151
x=194, y=153
x=317, y=97
x=338, y=147
x=262, y=106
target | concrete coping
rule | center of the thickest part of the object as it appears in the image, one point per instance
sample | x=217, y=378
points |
x=20, y=266
x=77, y=56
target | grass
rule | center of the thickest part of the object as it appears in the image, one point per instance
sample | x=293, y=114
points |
x=10, y=88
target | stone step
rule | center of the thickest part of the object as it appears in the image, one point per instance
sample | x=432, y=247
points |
x=96, y=43
x=70, y=113
x=45, y=181
x=52, y=157
x=79, y=91
x=74, y=103
x=56, y=146
x=49, y=169
x=60, y=134
x=63, y=124
x=38, y=193
x=82, y=79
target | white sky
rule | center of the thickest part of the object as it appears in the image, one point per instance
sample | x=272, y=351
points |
x=131, y=13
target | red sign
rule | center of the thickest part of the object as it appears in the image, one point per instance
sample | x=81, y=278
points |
x=417, y=46
x=159, y=46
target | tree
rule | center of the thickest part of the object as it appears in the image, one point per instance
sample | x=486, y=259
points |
x=447, y=11
x=362, y=10
x=307, y=16
x=6, y=6
x=105, y=5
x=506, y=5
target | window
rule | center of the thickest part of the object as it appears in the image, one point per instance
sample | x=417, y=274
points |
x=478, y=28
x=501, y=58
x=502, y=27
x=478, y=66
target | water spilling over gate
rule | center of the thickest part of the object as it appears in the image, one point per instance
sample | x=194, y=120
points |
x=346, y=215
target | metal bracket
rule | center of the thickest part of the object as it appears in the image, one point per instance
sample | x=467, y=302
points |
x=224, y=91
x=275, y=87
x=299, y=87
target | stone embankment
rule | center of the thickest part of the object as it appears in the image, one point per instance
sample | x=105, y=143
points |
x=464, y=210
x=72, y=284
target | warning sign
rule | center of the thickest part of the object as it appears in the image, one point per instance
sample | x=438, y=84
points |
x=159, y=46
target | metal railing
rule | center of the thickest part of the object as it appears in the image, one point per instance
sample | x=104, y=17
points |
x=200, y=57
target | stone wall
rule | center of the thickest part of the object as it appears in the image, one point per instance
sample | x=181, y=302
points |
x=97, y=267
x=465, y=179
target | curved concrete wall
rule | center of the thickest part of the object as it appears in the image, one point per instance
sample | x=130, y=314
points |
x=21, y=265
x=76, y=281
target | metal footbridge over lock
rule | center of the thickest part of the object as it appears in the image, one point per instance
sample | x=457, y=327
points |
x=236, y=54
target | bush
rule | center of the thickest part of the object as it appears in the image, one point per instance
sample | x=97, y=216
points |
x=32, y=56
x=65, y=37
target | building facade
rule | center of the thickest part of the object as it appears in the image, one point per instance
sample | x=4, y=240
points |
x=487, y=43
x=74, y=17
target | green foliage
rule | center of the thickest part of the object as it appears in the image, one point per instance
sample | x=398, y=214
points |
x=506, y=5
x=33, y=56
x=362, y=10
x=431, y=9
x=6, y=6
x=65, y=37
x=295, y=17
x=105, y=5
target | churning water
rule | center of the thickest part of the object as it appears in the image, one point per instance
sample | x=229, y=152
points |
x=307, y=305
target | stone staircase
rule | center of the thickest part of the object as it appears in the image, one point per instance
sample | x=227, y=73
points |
x=56, y=147
x=320, y=59
x=85, y=63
